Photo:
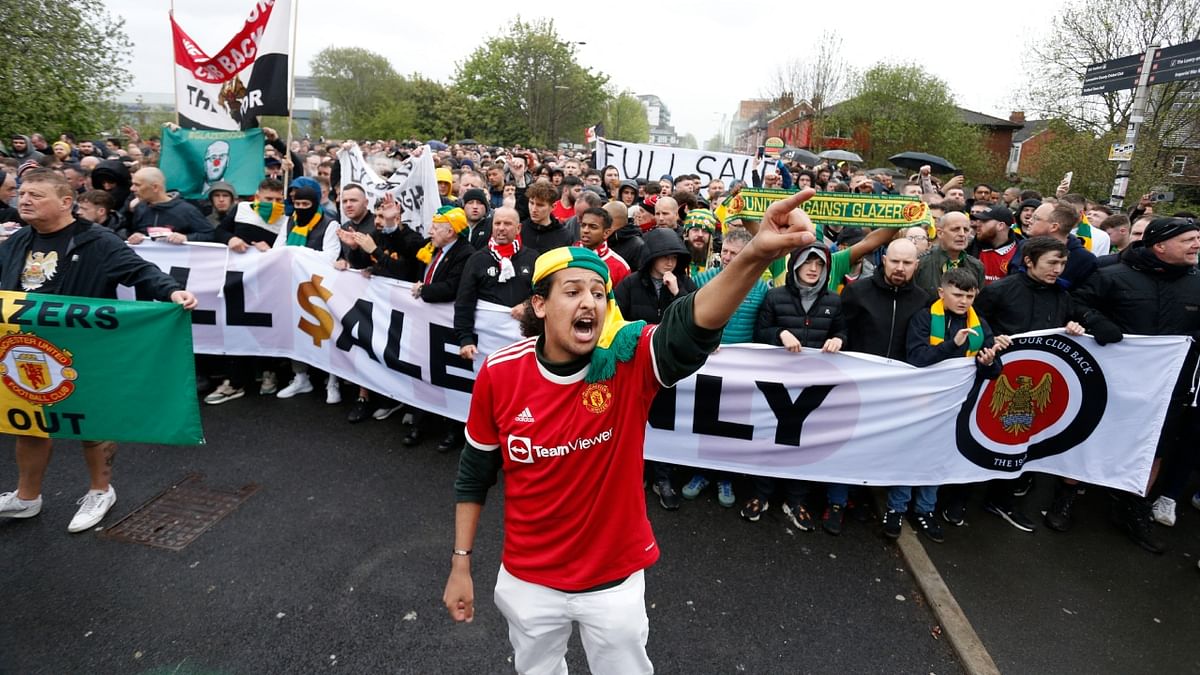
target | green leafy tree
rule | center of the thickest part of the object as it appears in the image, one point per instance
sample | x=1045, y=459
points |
x=64, y=61
x=364, y=94
x=1079, y=151
x=535, y=90
x=688, y=141
x=897, y=108
x=625, y=119
x=715, y=144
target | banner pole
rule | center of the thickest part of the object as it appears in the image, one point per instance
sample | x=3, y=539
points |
x=174, y=66
x=291, y=89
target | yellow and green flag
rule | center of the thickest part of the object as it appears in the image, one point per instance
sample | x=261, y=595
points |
x=97, y=369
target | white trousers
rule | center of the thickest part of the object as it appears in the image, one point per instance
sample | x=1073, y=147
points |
x=612, y=626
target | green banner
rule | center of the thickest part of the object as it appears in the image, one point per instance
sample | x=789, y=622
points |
x=835, y=208
x=97, y=369
x=193, y=160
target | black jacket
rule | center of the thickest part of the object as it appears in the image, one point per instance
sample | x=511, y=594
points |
x=176, y=214
x=782, y=308
x=96, y=262
x=877, y=315
x=1019, y=304
x=921, y=353
x=637, y=296
x=548, y=238
x=443, y=287
x=627, y=243
x=355, y=256
x=1144, y=297
x=481, y=232
x=395, y=254
x=480, y=281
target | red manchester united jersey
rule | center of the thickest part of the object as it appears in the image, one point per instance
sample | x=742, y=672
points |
x=574, y=510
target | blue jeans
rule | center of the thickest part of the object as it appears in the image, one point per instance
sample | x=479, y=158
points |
x=899, y=496
x=837, y=493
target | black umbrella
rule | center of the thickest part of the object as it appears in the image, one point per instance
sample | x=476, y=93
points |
x=800, y=155
x=894, y=173
x=916, y=160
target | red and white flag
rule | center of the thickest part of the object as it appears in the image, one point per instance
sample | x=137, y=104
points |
x=247, y=78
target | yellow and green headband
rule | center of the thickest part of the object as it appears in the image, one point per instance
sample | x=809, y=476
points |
x=618, y=337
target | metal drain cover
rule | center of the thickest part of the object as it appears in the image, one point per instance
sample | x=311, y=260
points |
x=179, y=514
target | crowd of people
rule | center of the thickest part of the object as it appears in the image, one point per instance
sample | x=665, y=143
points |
x=998, y=262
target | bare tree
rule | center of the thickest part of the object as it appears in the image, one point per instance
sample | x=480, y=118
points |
x=1092, y=31
x=820, y=78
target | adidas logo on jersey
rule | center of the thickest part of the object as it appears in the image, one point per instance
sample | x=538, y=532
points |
x=525, y=416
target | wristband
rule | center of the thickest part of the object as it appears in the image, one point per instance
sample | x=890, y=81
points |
x=462, y=552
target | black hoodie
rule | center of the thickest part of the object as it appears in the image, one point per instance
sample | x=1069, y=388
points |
x=113, y=170
x=877, y=315
x=784, y=306
x=638, y=296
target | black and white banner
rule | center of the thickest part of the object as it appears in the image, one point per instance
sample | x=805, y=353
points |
x=413, y=182
x=248, y=78
x=1063, y=405
x=636, y=160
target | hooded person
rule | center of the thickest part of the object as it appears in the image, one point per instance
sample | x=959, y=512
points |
x=26, y=151
x=307, y=226
x=801, y=314
x=112, y=176
x=661, y=278
x=223, y=198
x=627, y=192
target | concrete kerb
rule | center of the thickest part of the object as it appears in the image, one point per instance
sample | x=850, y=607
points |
x=955, y=625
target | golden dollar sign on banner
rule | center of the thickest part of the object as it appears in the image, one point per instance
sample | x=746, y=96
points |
x=323, y=329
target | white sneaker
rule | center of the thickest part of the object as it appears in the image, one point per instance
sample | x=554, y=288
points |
x=298, y=385
x=387, y=410
x=93, y=507
x=1164, y=511
x=269, y=385
x=333, y=392
x=224, y=393
x=13, y=507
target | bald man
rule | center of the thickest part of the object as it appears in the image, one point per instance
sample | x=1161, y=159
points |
x=877, y=311
x=501, y=273
x=160, y=216
x=666, y=213
x=949, y=252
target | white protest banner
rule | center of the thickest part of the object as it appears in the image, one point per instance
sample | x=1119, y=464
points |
x=247, y=78
x=635, y=160
x=1063, y=405
x=413, y=182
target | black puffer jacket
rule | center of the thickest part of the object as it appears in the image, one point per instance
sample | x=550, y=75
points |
x=1143, y=296
x=783, y=308
x=637, y=296
x=877, y=315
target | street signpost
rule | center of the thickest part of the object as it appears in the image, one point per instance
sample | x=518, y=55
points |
x=1114, y=75
x=1138, y=72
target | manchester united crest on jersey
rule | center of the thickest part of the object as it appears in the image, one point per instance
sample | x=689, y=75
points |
x=597, y=397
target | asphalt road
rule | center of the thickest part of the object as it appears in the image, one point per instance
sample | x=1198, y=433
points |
x=338, y=564
x=1085, y=601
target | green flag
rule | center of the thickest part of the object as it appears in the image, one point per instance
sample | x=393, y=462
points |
x=193, y=160
x=97, y=369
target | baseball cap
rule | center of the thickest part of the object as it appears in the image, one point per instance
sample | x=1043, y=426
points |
x=1000, y=213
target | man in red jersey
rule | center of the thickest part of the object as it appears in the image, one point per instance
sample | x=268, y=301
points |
x=564, y=414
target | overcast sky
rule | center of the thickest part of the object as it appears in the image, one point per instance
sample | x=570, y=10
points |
x=700, y=57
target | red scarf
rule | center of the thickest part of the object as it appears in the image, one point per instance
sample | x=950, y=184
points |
x=601, y=250
x=506, y=250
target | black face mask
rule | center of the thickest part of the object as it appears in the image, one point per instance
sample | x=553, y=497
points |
x=303, y=216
